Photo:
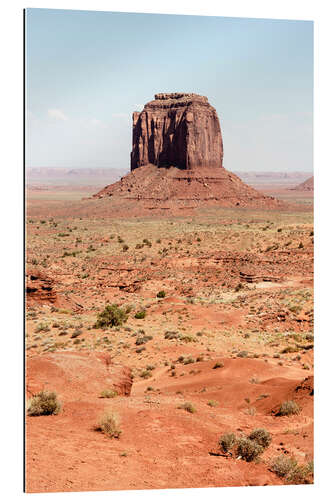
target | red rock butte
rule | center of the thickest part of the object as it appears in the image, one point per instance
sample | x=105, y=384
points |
x=177, y=160
x=180, y=130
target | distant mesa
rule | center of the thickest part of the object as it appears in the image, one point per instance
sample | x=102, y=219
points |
x=177, y=159
x=307, y=185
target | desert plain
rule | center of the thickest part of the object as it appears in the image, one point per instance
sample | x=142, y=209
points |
x=217, y=335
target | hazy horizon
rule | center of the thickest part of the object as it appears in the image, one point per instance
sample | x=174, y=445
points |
x=87, y=71
x=289, y=172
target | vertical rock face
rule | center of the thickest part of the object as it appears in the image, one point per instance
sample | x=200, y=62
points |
x=180, y=130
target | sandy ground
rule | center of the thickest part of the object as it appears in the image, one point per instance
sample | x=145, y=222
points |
x=239, y=302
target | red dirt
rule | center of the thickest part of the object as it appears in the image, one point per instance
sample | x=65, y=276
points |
x=166, y=447
x=238, y=287
x=156, y=188
x=74, y=375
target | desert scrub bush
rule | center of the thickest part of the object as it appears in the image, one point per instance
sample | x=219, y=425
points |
x=43, y=403
x=187, y=338
x=291, y=471
x=288, y=408
x=161, y=294
x=289, y=350
x=227, y=441
x=140, y=314
x=301, y=474
x=42, y=327
x=187, y=406
x=262, y=437
x=171, y=335
x=143, y=340
x=212, y=403
x=218, y=364
x=125, y=248
x=242, y=354
x=188, y=361
x=282, y=465
x=76, y=333
x=109, y=425
x=145, y=374
x=109, y=393
x=248, y=449
x=111, y=316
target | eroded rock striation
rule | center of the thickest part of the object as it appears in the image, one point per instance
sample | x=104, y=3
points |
x=180, y=130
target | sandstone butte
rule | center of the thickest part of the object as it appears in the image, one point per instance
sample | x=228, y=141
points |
x=177, y=160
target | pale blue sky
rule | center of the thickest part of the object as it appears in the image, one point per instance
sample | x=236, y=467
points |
x=87, y=71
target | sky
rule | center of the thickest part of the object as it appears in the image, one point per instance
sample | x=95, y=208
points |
x=87, y=71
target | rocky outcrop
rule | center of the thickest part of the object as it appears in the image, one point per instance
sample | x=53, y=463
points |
x=180, y=130
x=39, y=287
x=177, y=162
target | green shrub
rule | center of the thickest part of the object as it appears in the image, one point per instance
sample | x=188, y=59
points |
x=76, y=333
x=288, y=408
x=218, y=364
x=189, y=360
x=187, y=338
x=43, y=403
x=171, y=335
x=145, y=374
x=187, y=407
x=212, y=403
x=140, y=314
x=248, y=449
x=111, y=316
x=109, y=393
x=227, y=441
x=109, y=425
x=161, y=294
x=261, y=436
x=143, y=340
x=42, y=327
